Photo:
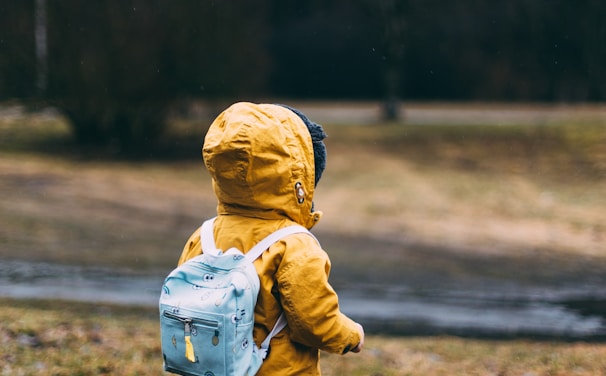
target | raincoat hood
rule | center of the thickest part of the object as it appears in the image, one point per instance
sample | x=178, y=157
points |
x=261, y=160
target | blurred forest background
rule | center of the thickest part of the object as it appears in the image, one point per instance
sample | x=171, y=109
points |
x=114, y=68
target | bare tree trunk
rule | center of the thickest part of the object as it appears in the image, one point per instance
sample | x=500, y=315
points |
x=391, y=104
x=41, y=46
x=394, y=24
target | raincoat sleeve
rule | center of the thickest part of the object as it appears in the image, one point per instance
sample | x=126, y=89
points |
x=309, y=301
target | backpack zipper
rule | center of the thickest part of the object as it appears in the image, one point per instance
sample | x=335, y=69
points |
x=189, y=320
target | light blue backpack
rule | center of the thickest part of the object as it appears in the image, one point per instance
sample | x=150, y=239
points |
x=207, y=310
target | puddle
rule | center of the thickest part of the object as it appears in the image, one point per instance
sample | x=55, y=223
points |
x=476, y=315
x=573, y=313
x=29, y=280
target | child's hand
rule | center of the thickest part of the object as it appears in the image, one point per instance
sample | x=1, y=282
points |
x=358, y=348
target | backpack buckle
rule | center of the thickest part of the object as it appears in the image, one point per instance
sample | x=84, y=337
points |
x=264, y=353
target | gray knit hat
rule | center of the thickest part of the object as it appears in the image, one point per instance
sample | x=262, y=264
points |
x=317, y=135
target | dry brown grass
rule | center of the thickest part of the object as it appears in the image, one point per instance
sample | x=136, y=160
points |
x=446, y=356
x=64, y=339
x=59, y=338
x=467, y=188
x=485, y=189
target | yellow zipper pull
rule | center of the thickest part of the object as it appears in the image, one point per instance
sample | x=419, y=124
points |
x=189, y=348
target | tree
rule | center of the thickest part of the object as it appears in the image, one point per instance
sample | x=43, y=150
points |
x=393, y=16
x=116, y=67
x=106, y=70
x=324, y=50
x=389, y=19
x=17, y=56
x=40, y=34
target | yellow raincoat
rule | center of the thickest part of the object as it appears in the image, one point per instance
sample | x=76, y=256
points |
x=261, y=159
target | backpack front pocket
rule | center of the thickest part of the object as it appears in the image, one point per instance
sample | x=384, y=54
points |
x=193, y=345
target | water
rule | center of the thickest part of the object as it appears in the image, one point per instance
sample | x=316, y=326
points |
x=27, y=280
x=576, y=312
x=474, y=315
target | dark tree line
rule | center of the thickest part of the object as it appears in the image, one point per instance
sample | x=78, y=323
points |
x=114, y=67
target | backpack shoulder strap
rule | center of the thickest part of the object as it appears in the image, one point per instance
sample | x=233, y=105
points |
x=270, y=239
x=257, y=251
x=280, y=324
x=207, y=236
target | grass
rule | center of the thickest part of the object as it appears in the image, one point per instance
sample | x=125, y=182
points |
x=61, y=338
x=67, y=338
x=473, y=187
x=512, y=202
x=507, y=190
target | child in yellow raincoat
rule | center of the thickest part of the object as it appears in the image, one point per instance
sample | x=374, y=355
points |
x=265, y=161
